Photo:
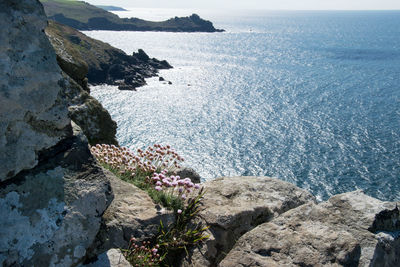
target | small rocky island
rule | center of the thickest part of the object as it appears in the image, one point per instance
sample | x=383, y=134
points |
x=83, y=16
x=59, y=207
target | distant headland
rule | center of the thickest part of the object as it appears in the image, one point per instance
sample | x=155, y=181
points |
x=83, y=16
x=111, y=8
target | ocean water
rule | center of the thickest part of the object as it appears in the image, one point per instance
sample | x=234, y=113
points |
x=312, y=98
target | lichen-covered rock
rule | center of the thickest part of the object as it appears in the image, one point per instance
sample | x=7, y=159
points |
x=95, y=121
x=52, y=213
x=33, y=115
x=350, y=229
x=52, y=192
x=132, y=213
x=110, y=258
x=235, y=205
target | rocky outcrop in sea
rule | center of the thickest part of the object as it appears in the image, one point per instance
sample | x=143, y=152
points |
x=60, y=208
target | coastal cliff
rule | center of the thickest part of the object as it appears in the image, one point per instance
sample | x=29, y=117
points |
x=99, y=61
x=60, y=208
x=83, y=16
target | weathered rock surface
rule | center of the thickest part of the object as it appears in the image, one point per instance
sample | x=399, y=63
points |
x=235, y=205
x=33, y=115
x=53, y=212
x=95, y=121
x=52, y=192
x=350, y=229
x=132, y=213
x=110, y=258
x=106, y=64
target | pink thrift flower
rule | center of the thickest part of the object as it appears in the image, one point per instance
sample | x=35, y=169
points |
x=158, y=188
x=197, y=186
x=183, y=197
x=159, y=183
x=179, y=211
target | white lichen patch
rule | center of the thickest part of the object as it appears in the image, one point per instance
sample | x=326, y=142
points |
x=18, y=233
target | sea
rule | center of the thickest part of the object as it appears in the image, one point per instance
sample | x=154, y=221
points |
x=308, y=97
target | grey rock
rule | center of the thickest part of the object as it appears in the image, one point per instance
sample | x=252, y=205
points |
x=93, y=118
x=132, y=213
x=189, y=173
x=235, y=205
x=54, y=210
x=52, y=193
x=33, y=114
x=111, y=258
x=350, y=229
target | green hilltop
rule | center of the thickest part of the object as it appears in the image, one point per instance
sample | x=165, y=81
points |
x=83, y=16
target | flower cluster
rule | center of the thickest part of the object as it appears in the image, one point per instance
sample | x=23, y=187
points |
x=142, y=255
x=122, y=159
x=173, y=185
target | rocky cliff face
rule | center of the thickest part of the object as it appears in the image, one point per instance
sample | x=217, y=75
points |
x=52, y=193
x=104, y=63
x=33, y=114
x=86, y=111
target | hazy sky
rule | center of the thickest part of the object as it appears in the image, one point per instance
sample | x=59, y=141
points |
x=258, y=4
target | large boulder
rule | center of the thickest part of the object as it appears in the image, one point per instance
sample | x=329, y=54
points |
x=52, y=213
x=33, y=114
x=233, y=206
x=350, y=229
x=52, y=192
x=94, y=119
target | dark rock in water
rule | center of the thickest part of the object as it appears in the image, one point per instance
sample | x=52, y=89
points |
x=141, y=55
x=169, y=82
x=127, y=87
x=106, y=64
x=161, y=79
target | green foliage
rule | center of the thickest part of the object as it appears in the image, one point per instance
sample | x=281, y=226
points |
x=142, y=255
x=183, y=233
x=169, y=191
